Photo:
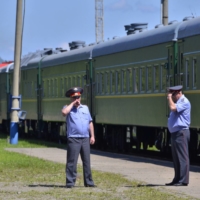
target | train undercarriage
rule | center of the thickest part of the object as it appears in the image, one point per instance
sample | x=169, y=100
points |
x=115, y=138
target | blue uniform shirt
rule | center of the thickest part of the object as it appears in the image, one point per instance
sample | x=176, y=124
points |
x=78, y=120
x=180, y=119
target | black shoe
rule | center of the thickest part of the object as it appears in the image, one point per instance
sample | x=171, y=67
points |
x=169, y=184
x=180, y=184
x=90, y=186
x=69, y=186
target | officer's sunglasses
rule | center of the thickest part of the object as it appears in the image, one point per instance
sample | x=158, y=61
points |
x=76, y=97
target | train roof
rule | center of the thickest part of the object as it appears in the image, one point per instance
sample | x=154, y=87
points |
x=155, y=36
x=62, y=58
x=26, y=59
x=189, y=28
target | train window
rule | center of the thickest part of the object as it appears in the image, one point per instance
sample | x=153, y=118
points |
x=56, y=87
x=70, y=82
x=79, y=81
x=187, y=74
x=29, y=89
x=117, y=83
x=149, y=79
x=97, y=83
x=136, y=80
x=129, y=80
x=65, y=85
x=49, y=88
x=83, y=81
x=102, y=81
x=163, y=80
x=194, y=73
x=123, y=81
x=156, y=78
x=113, y=82
x=32, y=89
x=52, y=88
x=142, y=79
x=74, y=82
x=107, y=82
x=61, y=88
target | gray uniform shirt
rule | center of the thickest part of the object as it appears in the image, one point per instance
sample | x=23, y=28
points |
x=180, y=119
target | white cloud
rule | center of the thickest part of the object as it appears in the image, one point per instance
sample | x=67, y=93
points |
x=120, y=5
x=146, y=7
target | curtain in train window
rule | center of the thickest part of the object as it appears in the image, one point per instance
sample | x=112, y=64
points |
x=107, y=82
x=65, y=85
x=83, y=80
x=149, y=79
x=129, y=80
x=103, y=84
x=136, y=80
x=194, y=73
x=117, y=83
x=123, y=81
x=100, y=83
x=79, y=81
x=163, y=72
x=156, y=78
x=62, y=88
x=49, y=88
x=56, y=87
x=142, y=79
x=69, y=82
x=74, y=81
x=52, y=88
x=32, y=89
x=113, y=78
x=97, y=83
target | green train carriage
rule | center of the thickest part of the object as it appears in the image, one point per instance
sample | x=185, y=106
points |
x=132, y=74
x=124, y=83
x=56, y=74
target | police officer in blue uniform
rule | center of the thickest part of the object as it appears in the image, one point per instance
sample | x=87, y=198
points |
x=178, y=125
x=80, y=134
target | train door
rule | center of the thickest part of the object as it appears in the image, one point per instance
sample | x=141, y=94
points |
x=179, y=46
x=39, y=90
x=175, y=64
x=171, y=66
x=89, y=88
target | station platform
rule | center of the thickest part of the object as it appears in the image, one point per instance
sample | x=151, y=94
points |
x=150, y=172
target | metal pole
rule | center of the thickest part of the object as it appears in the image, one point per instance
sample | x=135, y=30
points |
x=165, y=12
x=161, y=11
x=15, y=97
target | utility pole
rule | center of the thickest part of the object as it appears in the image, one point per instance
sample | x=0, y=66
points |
x=15, y=97
x=99, y=20
x=164, y=12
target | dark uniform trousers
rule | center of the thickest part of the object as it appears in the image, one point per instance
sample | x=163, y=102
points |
x=180, y=154
x=76, y=146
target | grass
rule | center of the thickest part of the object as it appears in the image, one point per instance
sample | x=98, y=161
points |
x=25, y=177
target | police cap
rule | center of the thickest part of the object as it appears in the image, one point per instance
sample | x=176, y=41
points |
x=75, y=91
x=175, y=88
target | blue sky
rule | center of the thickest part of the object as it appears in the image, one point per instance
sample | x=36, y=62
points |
x=55, y=23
